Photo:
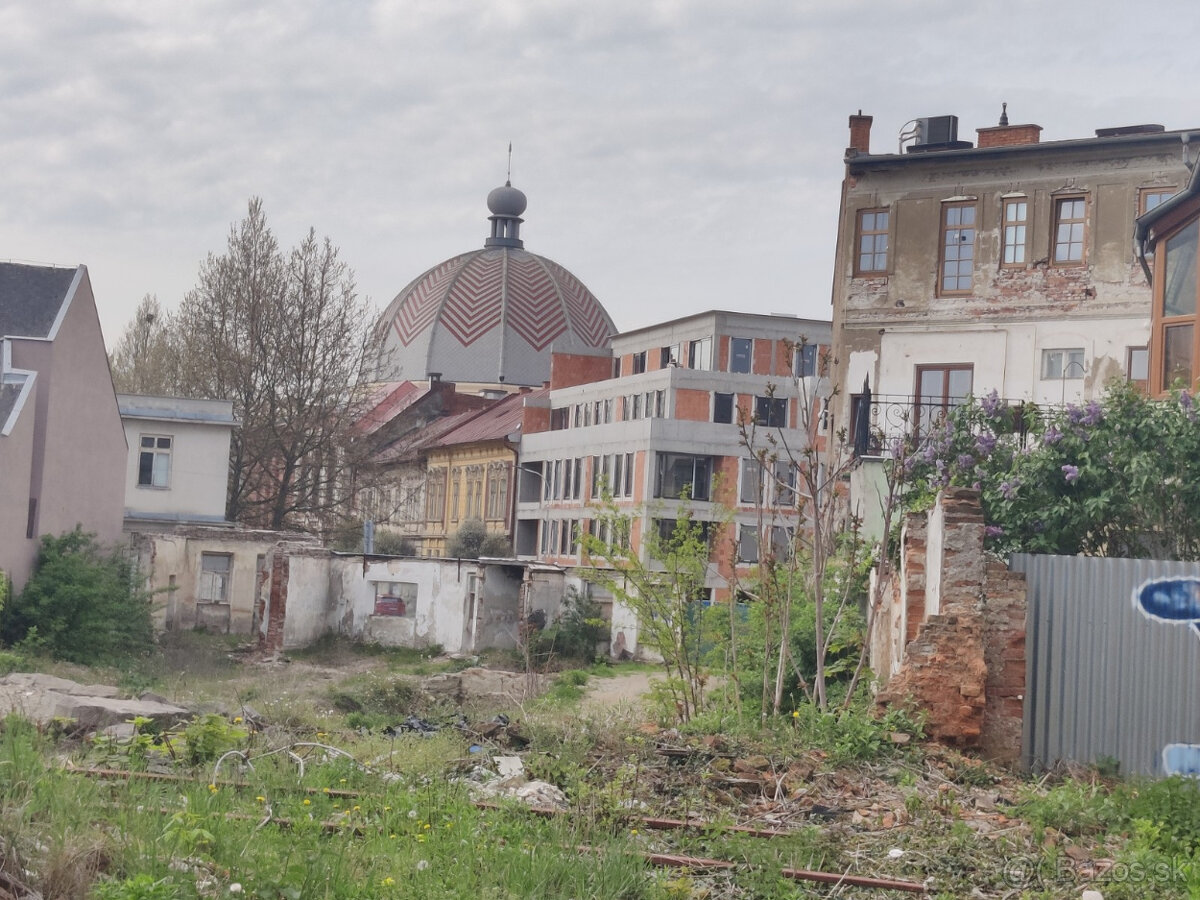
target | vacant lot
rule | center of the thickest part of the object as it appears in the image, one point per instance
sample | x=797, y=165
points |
x=354, y=774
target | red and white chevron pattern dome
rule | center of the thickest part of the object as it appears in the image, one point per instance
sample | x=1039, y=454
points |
x=490, y=315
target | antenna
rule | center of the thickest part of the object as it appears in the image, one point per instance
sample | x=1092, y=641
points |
x=508, y=179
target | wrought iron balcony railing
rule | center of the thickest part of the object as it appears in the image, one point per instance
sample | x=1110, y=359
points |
x=910, y=418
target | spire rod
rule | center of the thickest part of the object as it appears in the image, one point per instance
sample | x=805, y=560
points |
x=508, y=177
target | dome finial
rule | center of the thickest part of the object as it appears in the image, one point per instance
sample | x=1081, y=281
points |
x=506, y=205
x=1003, y=117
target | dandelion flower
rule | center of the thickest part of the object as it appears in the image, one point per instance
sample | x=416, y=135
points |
x=261, y=799
x=237, y=720
x=307, y=802
x=388, y=882
x=422, y=865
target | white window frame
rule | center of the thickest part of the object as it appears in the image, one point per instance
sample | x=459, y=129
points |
x=1063, y=364
x=159, y=453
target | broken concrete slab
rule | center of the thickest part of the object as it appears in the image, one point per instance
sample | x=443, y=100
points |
x=42, y=698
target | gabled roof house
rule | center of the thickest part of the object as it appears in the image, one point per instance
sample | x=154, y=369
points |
x=62, y=447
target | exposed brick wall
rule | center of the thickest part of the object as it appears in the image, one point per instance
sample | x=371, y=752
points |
x=764, y=357
x=279, y=563
x=1008, y=135
x=1004, y=653
x=691, y=405
x=951, y=632
x=570, y=369
x=860, y=133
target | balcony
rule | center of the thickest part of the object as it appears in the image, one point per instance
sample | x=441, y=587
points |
x=906, y=417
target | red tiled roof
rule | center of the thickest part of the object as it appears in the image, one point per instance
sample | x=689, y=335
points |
x=389, y=399
x=494, y=423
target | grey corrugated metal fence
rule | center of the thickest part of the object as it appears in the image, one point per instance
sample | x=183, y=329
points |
x=1104, y=681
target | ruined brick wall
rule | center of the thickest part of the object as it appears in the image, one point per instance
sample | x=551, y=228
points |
x=953, y=632
x=1004, y=606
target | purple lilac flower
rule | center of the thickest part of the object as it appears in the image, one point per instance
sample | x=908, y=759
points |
x=1052, y=436
x=1074, y=414
x=975, y=486
x=1008, y=489
x=993, y=531
x=985, y=443
x=1071, y=473
x=991, y=404
x=965, y=460
x=1093, y=414
x=1188, y=405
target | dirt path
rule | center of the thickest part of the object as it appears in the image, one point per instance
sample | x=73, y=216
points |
x=618, y=690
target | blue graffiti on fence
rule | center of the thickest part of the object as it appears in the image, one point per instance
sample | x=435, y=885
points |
x=1175, y=601
x=1181, y=759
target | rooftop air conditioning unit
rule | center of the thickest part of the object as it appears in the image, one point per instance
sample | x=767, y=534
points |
x=937, y=130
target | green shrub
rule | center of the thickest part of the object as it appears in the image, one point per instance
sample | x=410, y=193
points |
x=388, y=543
x=82, y=604
x=211, y=735
x=467, y=542
x=574, y=634
x=496, y=545
x=11, y=661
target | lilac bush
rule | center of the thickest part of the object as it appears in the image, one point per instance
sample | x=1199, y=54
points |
x=1116, y=477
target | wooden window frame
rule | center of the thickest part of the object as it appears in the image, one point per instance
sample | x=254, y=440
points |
x=944, y=233
x=1005, y=224
x=944, y=403
x=861, y=231
x=1057, y=220
x=1160, y=323
x=1153, y=191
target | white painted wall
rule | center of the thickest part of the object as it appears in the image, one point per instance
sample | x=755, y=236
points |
x=200, y=432
x=440, y=615
x=1007, y=358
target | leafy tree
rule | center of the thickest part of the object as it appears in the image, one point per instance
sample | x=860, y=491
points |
x=662, y=586
x=467, y=542
x=1116, y=477
x=81, y=604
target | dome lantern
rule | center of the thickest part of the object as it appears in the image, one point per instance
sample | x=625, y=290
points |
x=506, y=205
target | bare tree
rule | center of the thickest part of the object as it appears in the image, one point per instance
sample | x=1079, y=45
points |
x=286, y=338
x=145, y=359
x=826, y=548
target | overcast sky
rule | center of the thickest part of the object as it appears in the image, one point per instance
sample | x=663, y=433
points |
x=678, y=155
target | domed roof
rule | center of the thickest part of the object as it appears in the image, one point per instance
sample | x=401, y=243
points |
x=491, y=315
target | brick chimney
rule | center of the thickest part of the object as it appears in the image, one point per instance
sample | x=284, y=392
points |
x=1005, y=135
x=1008, y=135
x=860, y=134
